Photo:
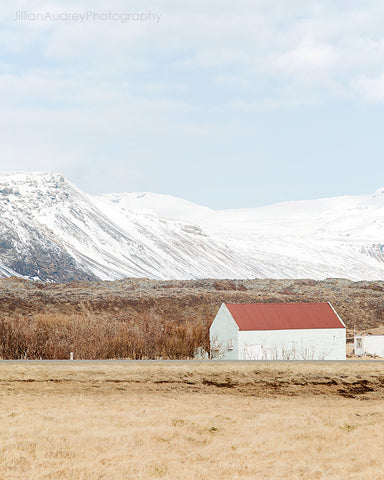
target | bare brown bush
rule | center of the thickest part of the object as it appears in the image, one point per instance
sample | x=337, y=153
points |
x=90, y=336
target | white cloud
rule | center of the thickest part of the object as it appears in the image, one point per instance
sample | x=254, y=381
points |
x=75, y=92
x=258, y=38
x=307, y=56
x=217, y=59
x=371, y=89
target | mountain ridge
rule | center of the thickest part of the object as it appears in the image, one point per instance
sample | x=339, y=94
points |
x=52, y=231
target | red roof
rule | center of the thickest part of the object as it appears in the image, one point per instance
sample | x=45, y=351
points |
x=284, y=316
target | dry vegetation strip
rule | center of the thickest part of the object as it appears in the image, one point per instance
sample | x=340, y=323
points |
x=191, y=421
x=181, y=303
x=89, y=336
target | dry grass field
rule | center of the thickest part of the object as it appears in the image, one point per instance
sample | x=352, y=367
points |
x=189, y=421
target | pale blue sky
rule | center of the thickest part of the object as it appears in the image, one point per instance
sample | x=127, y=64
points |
x=227, y=104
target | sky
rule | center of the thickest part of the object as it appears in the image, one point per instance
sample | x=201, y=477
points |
x=226, y=104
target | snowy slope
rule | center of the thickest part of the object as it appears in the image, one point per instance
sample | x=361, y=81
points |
x=331, y=237
x=45, y=217
x=334, y=237
x=51, y=230
x=157, y=204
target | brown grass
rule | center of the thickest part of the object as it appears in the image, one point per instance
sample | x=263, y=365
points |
x=190, y=421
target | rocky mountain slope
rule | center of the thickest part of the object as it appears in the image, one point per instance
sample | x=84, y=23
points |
x=50, y=230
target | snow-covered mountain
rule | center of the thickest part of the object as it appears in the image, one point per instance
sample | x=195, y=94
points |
x=51, y=230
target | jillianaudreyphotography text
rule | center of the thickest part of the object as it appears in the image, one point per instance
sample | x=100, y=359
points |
x=89, y=16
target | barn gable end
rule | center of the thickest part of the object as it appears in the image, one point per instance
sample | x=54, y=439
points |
x=224, y=335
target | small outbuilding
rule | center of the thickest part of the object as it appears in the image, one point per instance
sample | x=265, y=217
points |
x=372, y=345
x=278, y=331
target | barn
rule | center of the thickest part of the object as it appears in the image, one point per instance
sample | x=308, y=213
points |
x=278, y=331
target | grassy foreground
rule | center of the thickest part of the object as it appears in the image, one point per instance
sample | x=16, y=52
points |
x=191, y=421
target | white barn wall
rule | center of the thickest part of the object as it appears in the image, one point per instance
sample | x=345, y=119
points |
x=298, y=344
x=224, y=330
